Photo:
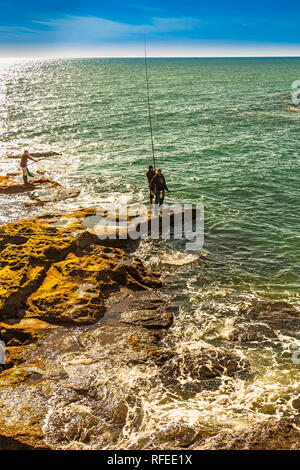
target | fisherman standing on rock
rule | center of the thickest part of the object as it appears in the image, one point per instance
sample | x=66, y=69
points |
x=23, y=165
x=158, y=186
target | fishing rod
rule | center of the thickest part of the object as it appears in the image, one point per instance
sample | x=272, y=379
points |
x=37, y=161
x=149, y=104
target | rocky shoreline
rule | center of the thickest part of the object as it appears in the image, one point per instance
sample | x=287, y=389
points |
x=81, y=317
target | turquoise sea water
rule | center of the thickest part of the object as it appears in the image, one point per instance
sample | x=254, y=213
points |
x=226, y=123
x=217, y=122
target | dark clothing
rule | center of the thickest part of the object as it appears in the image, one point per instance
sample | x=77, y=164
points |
x=150, y=175
x=24, y=161
x=159, y=197
x=158, y=183
x=158, y=186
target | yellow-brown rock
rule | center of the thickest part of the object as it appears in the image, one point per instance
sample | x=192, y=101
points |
x=21, y=425
x=51, y=277
x=21, y=338
x=10, y=184
x=27, y=250
x=74, y=290
x=59, y=273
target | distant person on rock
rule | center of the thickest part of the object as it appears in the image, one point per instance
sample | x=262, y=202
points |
x=158, y=187
x=150, y=175
x=24, y=160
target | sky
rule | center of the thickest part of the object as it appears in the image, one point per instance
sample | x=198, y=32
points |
x=173, y=28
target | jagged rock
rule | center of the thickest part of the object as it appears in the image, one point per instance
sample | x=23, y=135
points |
x=112, y=234
x=296, y=403
x=282, y=434
x=127, y=344
x=75, y=401
x=21, y=337
x=10, y=185
x=37, y=275
x=59, y=275
x=204, y=362
x=140, y=301
x=39, y=198
x=22, y=332
x=247, y=332
x=74, y=290
x=294, y=109
x=148, y=318
x=69, y=402
x=10, y=443
x=179, y=436
x=21, y=420
x=263, y=319
x=27, y=250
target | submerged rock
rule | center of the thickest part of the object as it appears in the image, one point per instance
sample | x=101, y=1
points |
x=179, y=436
x=41, y=190
x=264, y=319
x=148, y=318
x=92, y=396
x=147, y=311
x=204, y=362
x=42, y=197
x=50, y=276
x=281, y=434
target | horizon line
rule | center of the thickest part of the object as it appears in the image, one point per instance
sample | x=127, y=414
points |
x=154, y=57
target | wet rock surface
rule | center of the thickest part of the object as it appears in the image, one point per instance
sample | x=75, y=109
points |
x=79, y=391
x=147, y=311
x=53, y=276
x=40, y=190
x=282, y=434
x=86, y=328
x=10, y=184
x=42, y=197
x=179, y=436
x=148, y=318
x=262, y=320
x=205, y=363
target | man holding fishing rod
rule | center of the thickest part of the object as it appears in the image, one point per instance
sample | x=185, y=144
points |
x=23, y=165
x=157, y=187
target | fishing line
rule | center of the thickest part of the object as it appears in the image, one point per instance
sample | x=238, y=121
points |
x=149, y=104
x=37, y=161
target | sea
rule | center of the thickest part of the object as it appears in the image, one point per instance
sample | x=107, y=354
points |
x=226, y=135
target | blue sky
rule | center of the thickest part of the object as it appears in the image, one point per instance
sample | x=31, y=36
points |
x=115, y=28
